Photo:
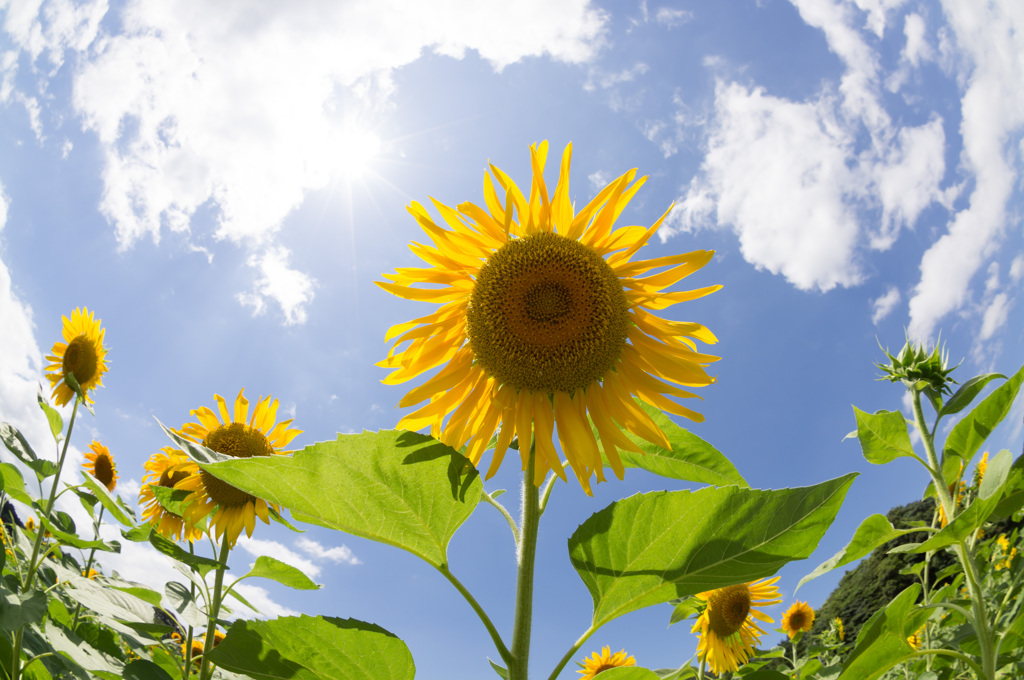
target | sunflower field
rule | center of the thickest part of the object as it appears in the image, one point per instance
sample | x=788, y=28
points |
x=544, y=347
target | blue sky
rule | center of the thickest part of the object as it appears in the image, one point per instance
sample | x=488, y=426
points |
x=223, y=182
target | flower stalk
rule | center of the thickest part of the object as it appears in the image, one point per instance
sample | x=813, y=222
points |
x=218, y=594
x=519, y=663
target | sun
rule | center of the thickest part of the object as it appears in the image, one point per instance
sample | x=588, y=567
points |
x=356, y=148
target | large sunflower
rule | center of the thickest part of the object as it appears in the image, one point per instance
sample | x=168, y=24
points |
x=232, y=508
x=545, y=319
x=82, y=354
x=799, y=617
x=603, y=662
x=727, y=629
x=100, y=464
x=165, y=469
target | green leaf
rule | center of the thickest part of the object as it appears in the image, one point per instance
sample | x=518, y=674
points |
x=172, y=500
x=140, y=669
x=690, y=459
x=151, y=596
x=22, y=609
x=181, y=601
x=967, y=392
x=653, y=547
x=52, y=417
x=313, y=648
x=116, y=604
x=882, y=642
x=401, y=488
x=883, y=436
x=16, y=444
x=973, y=429
x=872, y=532
x=13, y=483
x=685, y=609
x=81, y=652
x=202, y=564
x=286, y=574
x=75, y=542
x=996, y=474
x=769, y=674
x=107, y=500
x=629, y=673
x=500, y=670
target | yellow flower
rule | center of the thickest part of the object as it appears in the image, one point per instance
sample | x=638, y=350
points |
x=979, y=471
x=603, y=661
x=199, y=644
x=100, y=464
x=917, y=639
x=82, y=354
x=165, y=469
x=91, y=574
x=727, y=629
x=799, y=617
x=231, y=508
x=840, y=629
x=30, y=524
x=1004, y=544
x=545, y=319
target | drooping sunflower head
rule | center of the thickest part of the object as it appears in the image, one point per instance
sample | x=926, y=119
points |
x=727, y=628
x=166, y=468
x=100, y=464
x=227, y=508
x=798, y=618
x=81, y=355
x=546, y=324
x=602, y=662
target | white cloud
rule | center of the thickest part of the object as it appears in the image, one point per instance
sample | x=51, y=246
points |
x=338, y=554
x=994, y=316
x=917, y=48
x=884, y=305
x=1017, y=269
x=672, y=18
x=291, y=289
x=876, y=10
x=260, y=599
x=257, y=547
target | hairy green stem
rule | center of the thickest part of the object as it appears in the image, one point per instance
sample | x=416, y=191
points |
x=88, y=563
x=211, y=626
x=504, y=513
x=572, y=651
x=506, y=655
x=520, y=652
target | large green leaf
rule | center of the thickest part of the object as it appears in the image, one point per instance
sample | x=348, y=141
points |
x=974, y=428
x=19, y=446
x=52, y=417
x=286, y=574
x=872, y=532
x=14, y=483
x=74, y=541
x=313, y=648
x=401, y=488
x=81, y=652
x=883, y=435
x=628, y=673
x=653, y=547
x=107, y=500
x=967, y=392
x=690, y=458
x=882, y=641
x=21, y=609
x=140, y=669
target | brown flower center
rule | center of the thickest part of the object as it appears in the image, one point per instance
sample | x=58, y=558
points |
x=798, y=620
x=80, y=359
x=728, y=609
x=103, y=471
x=239, y=441
x=171, y=477
x=547, y=314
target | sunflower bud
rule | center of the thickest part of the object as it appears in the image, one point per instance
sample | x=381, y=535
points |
x=919, y=369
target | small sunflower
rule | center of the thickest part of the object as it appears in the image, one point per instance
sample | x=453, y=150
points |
x=979, y=471
x=82, y=354
x=917, y=639
x=165, y=469
x=799, y=617
x=603, y=662
x=727, y=629
x=546, y=322
x=840, y=630
x=30, y=524
x=231, y=508
x=91, y=574
x=199, y=644
x=100, y=464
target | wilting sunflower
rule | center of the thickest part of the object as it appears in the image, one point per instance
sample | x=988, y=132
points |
x=545, y=319
x=82, y=354
x=100, y=464
x=727, y=629
x=165, y=469
x=602, y=662
x=232, y=508
x=799, y=617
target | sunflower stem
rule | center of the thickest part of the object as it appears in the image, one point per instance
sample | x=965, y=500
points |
x=88, y=563
x=572, y=651
x=506, y=656
x=211, y=626
x=504, y=513
x=520, y=660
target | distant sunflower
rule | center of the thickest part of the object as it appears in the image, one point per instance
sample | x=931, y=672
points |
x=545, y=319
x=232, y=509
x=165, y=469
x=100, y=464
x=603, y=662
x=727, y=629
x=917, y=639
x=840, y=630
x=82, y=354
x=799, y=617
x=199, y=644
x=91, y=574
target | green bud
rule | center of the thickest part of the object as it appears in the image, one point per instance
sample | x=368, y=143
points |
x=919, y=369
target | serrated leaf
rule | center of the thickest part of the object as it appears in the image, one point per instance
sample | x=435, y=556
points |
x=883, y=436
x=53, y=417
x=872, y=532
x=107, y=500
x=967, y=392
x=21, y=609
x=653, y=547
x=970, y=433
x=313, y=648
x=401, y=488
x=19, y=446
x=181, y=601
x=14, y=483
x=882, y=641
x=81, y=652
x=118, y=605
x=690, y=458
x=285, y=574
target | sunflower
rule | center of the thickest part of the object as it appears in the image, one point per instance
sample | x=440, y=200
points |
x=91, y=574
x=917, y=639
x=231, y=508
x=165, y=469
x=199, y=644
x=602, y=662
x=545, y=319
x=82, y=354
x=727, y=629
x=840, y=630
x=100, y=464
x=799, y=617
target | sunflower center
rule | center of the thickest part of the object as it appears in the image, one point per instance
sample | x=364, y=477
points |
x=239, y=441
x=169, y=478
x=728, y=609
x=80, y=359
x=547, y=314
x=103, y=470
x=798, y=620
